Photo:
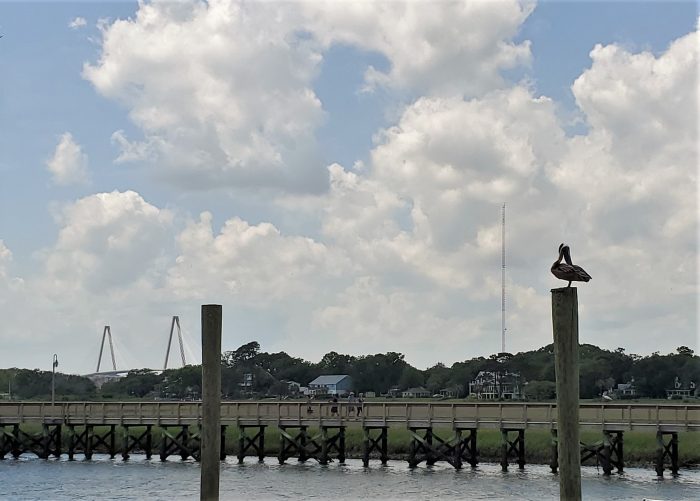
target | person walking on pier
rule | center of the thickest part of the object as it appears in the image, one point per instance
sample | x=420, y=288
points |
x=351, y=403
x=309, y=410
x=334, y=407
x=359, y=405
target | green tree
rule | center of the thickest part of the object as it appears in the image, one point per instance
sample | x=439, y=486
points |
x=410, y=378
x=437, y=377
x=137, y=383
x=540, y=390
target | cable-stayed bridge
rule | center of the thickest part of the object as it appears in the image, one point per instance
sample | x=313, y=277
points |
x=101, y=377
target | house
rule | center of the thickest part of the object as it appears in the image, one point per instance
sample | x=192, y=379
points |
x=333, y=384
x=247, y=384
x=626, y=390
x=394, y=392
x=418, y=392
x=293, y=387
x=678, y=392
x=492, y=385
x=449, y=392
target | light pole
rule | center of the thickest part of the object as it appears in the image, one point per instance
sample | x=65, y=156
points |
x=53, y=380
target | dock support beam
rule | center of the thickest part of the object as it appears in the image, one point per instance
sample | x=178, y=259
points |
x=565, y=328
x=131, y=442
x=515, y=448
x=664, y=450
x=554, y=463
x=377, y=443
x=5, y=442
x=222, y=453
x=83, y=439
x=608, y=452
x=257, y=443
x=613, y=451
x=469, y=453
x=331, y=442
x=292, y=444
x=431, y=448
x=183, y=443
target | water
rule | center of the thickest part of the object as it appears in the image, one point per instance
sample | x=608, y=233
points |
x=31, y=478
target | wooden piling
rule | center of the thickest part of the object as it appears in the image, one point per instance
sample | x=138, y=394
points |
x=607, y=453
x=619, y=448
x=504, y=450
x=554, y=463
x=384, y=452
x=89, y=433
x=324, y=446
x=341, y=445
x=674, y=453
x=261, y=445
x=521, y=449
x=222, y=452
x=365, y=446
x=211, y=402
x=565, y=327
x=430, y=457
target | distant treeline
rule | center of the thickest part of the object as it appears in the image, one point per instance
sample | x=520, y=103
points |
x=599, y=370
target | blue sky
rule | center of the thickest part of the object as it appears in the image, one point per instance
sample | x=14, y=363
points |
x=45, y=93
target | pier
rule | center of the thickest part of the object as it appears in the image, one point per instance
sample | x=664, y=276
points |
x=312, y=431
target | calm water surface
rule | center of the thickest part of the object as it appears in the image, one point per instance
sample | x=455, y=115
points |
x=105, y=479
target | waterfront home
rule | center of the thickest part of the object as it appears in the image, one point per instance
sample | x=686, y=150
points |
x=489, y=385
x=418, y=392
x=626, y=390
x=333, y=384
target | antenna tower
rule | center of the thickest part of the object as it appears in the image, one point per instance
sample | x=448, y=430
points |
x=503, y=278
x=175, y=323
x=107, y=332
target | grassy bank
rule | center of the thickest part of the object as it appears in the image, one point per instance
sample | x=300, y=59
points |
x=639, y=447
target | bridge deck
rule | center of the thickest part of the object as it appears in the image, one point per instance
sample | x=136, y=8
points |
x=464, y=415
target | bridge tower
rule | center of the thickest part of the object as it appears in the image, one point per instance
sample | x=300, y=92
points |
x=503, y=278
x=107, y=332
x=175, y=323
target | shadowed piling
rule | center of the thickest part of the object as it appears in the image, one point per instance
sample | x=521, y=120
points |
x=565, y=326
x=211, y=402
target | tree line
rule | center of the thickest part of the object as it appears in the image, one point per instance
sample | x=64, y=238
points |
x=600, y=370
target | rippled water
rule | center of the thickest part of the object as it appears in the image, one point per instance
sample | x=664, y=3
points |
x=104, y=478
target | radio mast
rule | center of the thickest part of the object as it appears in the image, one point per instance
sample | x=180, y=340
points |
x=503, y=278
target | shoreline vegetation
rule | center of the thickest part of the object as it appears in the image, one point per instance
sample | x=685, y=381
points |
x=639, y=447
x=249, y=373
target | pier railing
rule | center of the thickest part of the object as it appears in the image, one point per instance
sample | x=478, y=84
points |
x=462, y=415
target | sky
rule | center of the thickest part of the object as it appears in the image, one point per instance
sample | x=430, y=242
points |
x=332, y=173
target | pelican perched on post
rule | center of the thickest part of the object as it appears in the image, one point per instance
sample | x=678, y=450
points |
x=568, y=270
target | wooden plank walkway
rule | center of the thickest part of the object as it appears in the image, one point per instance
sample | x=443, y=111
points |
x=458, y=415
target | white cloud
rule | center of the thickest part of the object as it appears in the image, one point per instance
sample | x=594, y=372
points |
x=255, y=264
x=77, y=23
x=69, y=164
x=432, y=48
x=107, y=242
x=5, y=258
x=242, y=111
x=370, y=317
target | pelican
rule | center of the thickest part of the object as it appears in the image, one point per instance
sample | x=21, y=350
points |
x=567, y=270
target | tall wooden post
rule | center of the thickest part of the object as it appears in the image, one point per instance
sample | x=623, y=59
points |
x=565, y=325
x=211, y=402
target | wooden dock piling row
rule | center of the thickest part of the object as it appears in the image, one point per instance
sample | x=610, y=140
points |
x=326, y=446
